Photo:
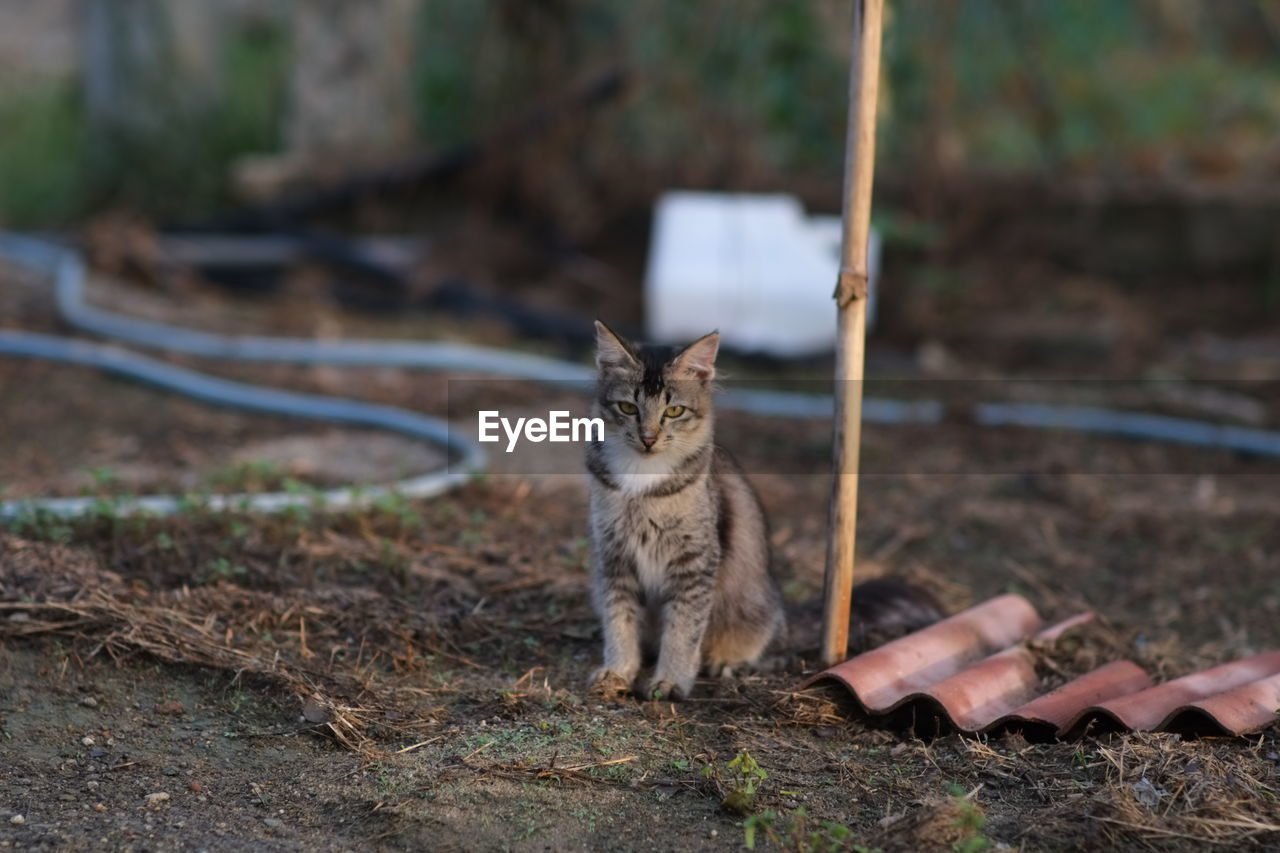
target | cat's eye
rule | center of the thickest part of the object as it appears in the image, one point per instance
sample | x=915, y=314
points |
x=674, y=411
x=627, y=408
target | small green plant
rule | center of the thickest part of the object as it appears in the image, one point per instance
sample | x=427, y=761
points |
x=743, y=782
x=829, y=836
x=104, y=479
x=401, y=510
x=41, y=524
x=221, y=568
x=194, y=504
x=253, y=475
x=762, y=822
x=106, y=509
x=970, y=820
x=795, y=831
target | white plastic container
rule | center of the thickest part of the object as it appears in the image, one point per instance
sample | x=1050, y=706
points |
x=753, y=266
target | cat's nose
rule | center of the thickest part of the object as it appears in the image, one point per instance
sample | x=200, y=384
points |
x=648, y=440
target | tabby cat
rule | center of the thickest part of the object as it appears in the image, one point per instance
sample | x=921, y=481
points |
x=680, y=556
x=680, y=551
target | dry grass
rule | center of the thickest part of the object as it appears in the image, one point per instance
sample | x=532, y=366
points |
x=1162, y=788
x=951, y=824
x=296, y=641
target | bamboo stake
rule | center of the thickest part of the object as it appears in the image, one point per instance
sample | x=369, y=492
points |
x=851, y=299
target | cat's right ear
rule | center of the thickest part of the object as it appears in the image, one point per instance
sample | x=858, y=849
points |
x=612, y=352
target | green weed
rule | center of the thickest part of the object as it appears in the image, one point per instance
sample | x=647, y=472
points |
x=741, y=781
x=971, y=820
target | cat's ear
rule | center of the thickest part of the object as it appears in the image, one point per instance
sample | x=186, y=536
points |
x=612, y=352
x=698, y=359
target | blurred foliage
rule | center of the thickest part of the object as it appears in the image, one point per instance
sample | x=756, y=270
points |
x=179, y=165
x=1172, y=88
x=42, y=178
x=716, y=85
x=737, y=93
x=1156, y=87
x=54, y=170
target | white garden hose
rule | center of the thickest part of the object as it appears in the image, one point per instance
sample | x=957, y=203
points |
x=67, y=270
x=254, y=398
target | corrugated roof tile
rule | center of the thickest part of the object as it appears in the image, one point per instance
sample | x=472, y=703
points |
x=976, y=671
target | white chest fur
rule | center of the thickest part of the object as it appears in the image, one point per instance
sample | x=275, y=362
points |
x=651, y=565
x=653, y=528
x=636, y=474
x=654, y=531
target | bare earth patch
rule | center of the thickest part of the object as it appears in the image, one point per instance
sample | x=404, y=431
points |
x=413, y=676
x=416, y=678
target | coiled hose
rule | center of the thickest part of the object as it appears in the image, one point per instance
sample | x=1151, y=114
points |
x=67, y=270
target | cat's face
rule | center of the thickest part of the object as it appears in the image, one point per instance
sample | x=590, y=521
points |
x=655, y=401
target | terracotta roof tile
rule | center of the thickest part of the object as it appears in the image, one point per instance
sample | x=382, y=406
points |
x=1235, y=698
x=975, y=671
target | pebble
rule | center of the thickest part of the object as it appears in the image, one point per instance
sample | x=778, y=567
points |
x=87, y=741
x=273, y=822
x=97, y=753
x=17, y=820
x=170, y=771
x=157, y=798
x=89, y=702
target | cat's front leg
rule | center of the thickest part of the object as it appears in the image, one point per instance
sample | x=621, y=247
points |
x=617, y=595
x=684, y=622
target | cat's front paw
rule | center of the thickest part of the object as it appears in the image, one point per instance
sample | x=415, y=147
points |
x=608, y=684
x=662, y=690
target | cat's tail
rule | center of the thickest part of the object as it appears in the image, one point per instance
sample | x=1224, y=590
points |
x=883, y=609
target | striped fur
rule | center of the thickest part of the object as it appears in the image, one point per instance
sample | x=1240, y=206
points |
x=680, y=548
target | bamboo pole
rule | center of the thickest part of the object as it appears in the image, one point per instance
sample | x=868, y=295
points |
x=851, y=300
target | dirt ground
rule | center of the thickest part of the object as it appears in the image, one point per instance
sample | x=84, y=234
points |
x=411, y=676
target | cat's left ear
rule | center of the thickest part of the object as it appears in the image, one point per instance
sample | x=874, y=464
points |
x=698, y=359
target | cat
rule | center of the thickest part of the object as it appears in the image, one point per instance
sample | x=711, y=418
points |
x=680, y=545
x=680, y=557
